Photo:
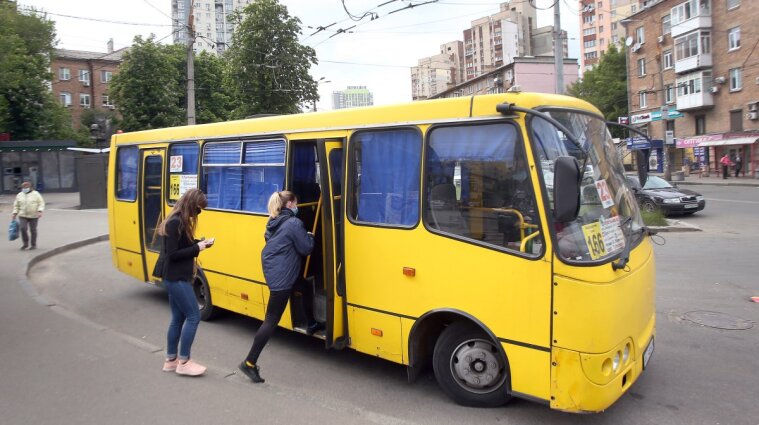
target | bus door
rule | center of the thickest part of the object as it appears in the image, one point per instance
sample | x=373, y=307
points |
x=151, y=207
x=331, y=158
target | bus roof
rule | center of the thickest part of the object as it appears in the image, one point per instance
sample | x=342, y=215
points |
x=406, y=113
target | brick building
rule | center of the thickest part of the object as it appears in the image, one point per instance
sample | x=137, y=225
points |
x=81, y=79
x=693, y=71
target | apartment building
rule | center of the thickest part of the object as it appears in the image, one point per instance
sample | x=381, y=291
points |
x=435, y=74
x=542, y=42
x=528, y=74
x=693, y=72
x=352, y=97
x=600, y=26
x=213, y=30
x=81, y=79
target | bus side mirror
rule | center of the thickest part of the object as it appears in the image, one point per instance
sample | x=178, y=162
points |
x=642, y=161
x=566, y=189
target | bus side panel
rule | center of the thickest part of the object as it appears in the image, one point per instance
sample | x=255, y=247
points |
x=243, y=297
x=532, y=377
x=375, y=333
x=129, y=263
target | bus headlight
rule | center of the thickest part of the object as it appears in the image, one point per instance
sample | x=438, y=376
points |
x=615, y=361
x=626, y=353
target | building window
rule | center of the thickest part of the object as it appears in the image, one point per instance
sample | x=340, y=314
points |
x=688, y=46
x=106, y=101
x=691, y=83
x=736, y=79
x=64, y=74
x=700, y=124
x=684, y=11
x=591, y=43
x=732, y=4
x=734, y=38
x=600, y=29
x=640, y=35
x=736, y=120
x=666, y=24
x=84, y=100
x=613, y=26
x=669, y=93
x=385, y=177
x=668, y=62
x=65, y=98
x=589, y=31
x=105, y=76
x=633, y=8
x=642, y=98
x=84, y=76
x=641, y=67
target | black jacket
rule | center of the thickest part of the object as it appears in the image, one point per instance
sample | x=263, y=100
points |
x=180, y=253
x=286, y=243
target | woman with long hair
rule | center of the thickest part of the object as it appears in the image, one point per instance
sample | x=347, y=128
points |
x=287, y=241
x=180, y=249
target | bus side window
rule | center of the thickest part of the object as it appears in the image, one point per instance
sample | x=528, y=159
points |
x=126, y=173
x=385, y=173
x=478, y=186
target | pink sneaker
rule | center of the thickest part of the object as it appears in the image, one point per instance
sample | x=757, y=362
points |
x=170, y=365
x=190, y=368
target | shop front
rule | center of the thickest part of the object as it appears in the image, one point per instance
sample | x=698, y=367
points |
x=47, y=164
x=709, y=149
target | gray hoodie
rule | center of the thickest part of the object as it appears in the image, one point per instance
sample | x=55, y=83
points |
x=287, y=242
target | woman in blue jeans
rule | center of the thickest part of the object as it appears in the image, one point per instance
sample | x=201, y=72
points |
x=180, y=250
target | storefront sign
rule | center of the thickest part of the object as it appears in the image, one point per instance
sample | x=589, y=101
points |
x=691, y=142
x=655, y=116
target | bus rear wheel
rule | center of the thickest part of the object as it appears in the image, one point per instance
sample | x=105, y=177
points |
x=203, y=296
x=469, y=367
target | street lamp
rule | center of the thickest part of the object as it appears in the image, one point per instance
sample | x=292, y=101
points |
x=319, y=82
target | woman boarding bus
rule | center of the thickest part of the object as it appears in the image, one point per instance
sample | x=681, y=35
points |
x=490, y=239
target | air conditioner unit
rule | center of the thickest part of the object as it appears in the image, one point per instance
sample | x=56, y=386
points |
x=635, y=47
x=660, y=39
x=753, y=106
x=86, y=83
x=719, y=80
x=714, y=89
x=752, y=115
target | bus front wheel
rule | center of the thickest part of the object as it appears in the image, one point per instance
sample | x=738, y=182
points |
x=469, y=367
x=203, y=296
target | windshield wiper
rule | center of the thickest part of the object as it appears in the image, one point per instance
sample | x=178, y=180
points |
x=624, y=257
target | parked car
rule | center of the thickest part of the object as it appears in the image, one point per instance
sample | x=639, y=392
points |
x=658, y=194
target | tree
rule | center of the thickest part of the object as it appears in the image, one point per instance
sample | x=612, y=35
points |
x=212, y=104
x=605, y=86
x=148, y=88
x=267, y=68
x=28, y=109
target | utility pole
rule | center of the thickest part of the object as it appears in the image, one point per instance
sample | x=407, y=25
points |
x=664, y=118
x=558, y=48
x=190, y=68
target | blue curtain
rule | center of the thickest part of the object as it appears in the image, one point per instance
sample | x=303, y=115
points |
x=388, y=187
x=269, y=152
x=222, y=153
x=258, y=185
x=126, y=173
x=223, y=187
x=189, y=152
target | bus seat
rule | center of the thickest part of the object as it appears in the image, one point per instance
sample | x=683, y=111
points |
x=444, y=209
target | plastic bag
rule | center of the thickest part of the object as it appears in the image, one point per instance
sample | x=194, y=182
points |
x=13, y=230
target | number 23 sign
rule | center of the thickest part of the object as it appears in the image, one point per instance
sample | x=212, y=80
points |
x=175, y=164
x=603, y=193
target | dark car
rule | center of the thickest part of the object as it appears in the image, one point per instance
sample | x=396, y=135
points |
x=658, y=194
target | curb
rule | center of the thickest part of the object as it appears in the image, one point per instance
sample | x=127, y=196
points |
x=676, y=226
x=691, y=183
x=61, y=249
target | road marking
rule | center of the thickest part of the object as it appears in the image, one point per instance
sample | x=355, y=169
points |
x=733, y=200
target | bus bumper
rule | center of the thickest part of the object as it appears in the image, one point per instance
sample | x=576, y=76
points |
x=588, y=383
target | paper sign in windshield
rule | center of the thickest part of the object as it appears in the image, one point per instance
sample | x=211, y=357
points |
x=179, y=184
x=614, y=239
x=595, y=240
x=603, y=193
x=175, y=163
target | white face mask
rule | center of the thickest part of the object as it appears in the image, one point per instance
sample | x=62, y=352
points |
x=25, y=190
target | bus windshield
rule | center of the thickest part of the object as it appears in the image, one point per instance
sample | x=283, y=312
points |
x=609, y=217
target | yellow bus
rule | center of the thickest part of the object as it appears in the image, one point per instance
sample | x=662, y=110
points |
x=490, y=239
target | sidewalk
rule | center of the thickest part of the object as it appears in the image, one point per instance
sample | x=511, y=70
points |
x=715, y=179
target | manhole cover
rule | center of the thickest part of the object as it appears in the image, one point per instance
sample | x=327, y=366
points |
x=718, y=320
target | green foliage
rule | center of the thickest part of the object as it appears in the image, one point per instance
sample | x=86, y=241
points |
x=605, y=86
x=28, y=109
x=653, y=218
x=212, y=104
x=147, y=89
x=267, y=68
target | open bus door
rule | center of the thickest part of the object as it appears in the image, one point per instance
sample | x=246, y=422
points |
x=331, y=159
x=151, y=206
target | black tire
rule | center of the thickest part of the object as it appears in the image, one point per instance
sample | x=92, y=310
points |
x=203, y=296
x=648, y=205
x=483, y=379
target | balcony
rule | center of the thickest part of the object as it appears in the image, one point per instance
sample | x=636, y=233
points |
x=692, y=24
x=693, y=63
x=695, y=101
x=691, y=15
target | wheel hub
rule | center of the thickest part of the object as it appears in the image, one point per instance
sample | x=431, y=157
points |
x=476, y=366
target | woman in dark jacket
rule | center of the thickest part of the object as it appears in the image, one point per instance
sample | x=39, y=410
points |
x=287, y=242
x=180, y=250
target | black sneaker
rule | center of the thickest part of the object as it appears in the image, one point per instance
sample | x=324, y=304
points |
x=314, y=328
x=252, y=373
x=32, y=247
x=23, y=248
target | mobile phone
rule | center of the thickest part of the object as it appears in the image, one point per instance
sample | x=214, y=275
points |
x=210, y=242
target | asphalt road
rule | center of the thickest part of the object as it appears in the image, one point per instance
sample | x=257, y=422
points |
x=698, y=375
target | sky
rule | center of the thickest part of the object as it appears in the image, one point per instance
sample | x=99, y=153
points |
x=375, y=53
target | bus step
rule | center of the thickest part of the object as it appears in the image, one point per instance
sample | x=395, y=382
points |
x=318, y=334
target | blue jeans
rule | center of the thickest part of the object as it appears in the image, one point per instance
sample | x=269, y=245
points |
x=185, y=316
